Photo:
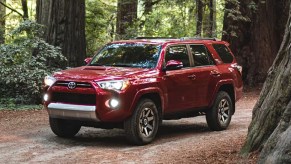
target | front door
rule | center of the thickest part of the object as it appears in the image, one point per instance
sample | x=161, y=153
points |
x=178, y=82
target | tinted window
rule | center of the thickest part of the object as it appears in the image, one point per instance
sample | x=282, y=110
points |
x=223, y=52
x=178, y=53
x=128, y=55
x=201, y=55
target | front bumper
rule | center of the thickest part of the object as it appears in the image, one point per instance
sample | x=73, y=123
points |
x=75, y=112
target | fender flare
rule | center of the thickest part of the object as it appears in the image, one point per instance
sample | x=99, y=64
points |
x=217, y=87
x=144, y=91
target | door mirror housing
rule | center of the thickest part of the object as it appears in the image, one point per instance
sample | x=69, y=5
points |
x=174, y=65
x=87, y=60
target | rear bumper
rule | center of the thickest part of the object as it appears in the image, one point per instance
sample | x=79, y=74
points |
x=75, y=112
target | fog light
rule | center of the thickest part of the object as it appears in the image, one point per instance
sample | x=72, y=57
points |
x=46, y=97
x=113, y=103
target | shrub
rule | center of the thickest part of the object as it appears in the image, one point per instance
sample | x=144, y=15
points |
x=24, y=62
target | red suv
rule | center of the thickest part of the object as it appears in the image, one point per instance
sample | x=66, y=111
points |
x=135, y=84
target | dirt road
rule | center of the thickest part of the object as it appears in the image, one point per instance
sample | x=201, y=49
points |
x=25, y=137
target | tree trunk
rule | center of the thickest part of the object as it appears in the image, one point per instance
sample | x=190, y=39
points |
x=25, y=9
x=2, y=22
x=65, y=27
x=42, y=12
x=256, y=41
x=126, y=14
x=212, y=18
x=270, y=129
x=199, y=11
x=206, y=22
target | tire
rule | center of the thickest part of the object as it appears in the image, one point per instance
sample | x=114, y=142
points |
x=219, y=116
x=141, y=128
x=64, y=128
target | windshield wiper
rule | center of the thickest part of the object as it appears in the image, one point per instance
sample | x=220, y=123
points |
x=119, y=65
x=96, y=64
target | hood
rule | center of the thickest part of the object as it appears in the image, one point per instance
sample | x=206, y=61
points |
x=102, y=73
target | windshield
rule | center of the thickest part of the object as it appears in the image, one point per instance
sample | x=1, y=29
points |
x=128, y=55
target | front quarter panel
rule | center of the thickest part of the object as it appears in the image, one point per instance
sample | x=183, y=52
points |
x=128, y=99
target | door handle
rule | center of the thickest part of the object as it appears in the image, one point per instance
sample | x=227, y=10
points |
x=215, y=73
x=192, y=77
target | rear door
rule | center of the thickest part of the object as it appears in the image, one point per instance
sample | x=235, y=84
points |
x=206, y=75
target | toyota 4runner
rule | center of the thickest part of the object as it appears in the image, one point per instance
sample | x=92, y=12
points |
x=135, y=84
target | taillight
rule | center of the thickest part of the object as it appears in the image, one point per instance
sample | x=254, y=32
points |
x=238, y=67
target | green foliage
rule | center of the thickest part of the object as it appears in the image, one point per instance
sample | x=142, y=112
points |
x=23, y=64
x=9, y=104
x=100, y=23
x=169, y=18
x=12, y=18
x=234, y=15
x=175, y=18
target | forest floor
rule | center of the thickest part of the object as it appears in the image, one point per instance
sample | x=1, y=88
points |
x=25, y=137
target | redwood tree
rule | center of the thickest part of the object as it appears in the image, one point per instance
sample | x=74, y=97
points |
x=270, y=129
x=126, y=14
x=199, y=17
x=24, y=9
x=2, y=22
x=212, y=18
x=255, y=31
x=65, y=27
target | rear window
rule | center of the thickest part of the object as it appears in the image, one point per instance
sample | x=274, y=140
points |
x=223, y=52
x=201, y=55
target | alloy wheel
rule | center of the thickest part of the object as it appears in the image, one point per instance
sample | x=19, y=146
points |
x=223, y=111
x=147, y=122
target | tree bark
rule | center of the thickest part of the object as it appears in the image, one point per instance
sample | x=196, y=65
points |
x=199, y=17
x=256, y=41
x=212, y=18
x=126, y=14
x=25, y=9
x=270, y=129
x=2, y=22
x=209, y=25
x=65, y=27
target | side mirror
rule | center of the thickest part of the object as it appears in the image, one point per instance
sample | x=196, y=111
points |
x=87, y=60
x=174, y=65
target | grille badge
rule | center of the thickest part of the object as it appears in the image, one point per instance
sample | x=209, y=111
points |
x=72, y=85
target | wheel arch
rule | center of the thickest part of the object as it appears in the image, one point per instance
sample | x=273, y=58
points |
x=227, y=87
x=155, y=97
x=153, y=94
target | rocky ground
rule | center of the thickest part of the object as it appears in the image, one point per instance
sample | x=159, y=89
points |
x=25, y=137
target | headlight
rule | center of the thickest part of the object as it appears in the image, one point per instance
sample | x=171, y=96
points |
x=49, y=80
x=114, y=85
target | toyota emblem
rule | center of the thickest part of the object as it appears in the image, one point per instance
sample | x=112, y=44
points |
x=72, y=85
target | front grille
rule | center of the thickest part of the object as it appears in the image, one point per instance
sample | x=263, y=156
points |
x=78, y=84
x=74, y=98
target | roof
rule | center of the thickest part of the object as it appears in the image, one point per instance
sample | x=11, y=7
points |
x=159, y=40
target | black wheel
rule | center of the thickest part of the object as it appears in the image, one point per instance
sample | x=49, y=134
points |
x=64, y=128
x=141, y=128
x=219, y=116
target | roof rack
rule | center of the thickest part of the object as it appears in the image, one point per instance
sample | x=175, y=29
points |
x=154, y=37
x=182, y=39
x=197, y=38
